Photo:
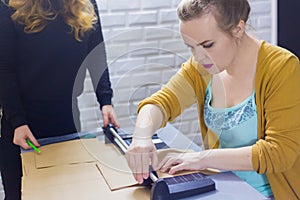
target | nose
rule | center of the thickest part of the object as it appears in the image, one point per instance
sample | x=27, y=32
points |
x=201, y=56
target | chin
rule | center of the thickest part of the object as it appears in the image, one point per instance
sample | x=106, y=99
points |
x=215, y=70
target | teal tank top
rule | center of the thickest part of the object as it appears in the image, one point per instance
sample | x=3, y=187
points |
x=237, y=127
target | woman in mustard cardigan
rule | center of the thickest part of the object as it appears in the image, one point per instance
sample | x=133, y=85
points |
x=248, y=98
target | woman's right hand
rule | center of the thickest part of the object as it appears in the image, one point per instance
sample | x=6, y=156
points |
x=140, y=155
x=21, y=134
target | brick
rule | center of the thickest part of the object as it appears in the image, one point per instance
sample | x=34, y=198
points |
x=124, y=95
x=140, y=80
x=166, y=75
x=168, y=16
x=102, y=5
x=176, y=3
x=253, y=22
x=120, y=81
x=88, y=85
x=90, y=125
x=120, y=95
x=264, y=22
x=127, y=35
x=177, y=31
x=146, y=17
x=122, y=66
x=158, y=33
x=155, y=4
x=138, y=94
x=260, y=7
x=181, y=58
x=143, y=48
x=90, y=113
x=106, y=34
x=115, y=51
x=122, y=110
x=137, y=46
x=166, y=60
x=88, y=99
x=135, y=80
x=174, y=46
x=153, y=87
x=126, y=122
x=1, y=191
x=145, y=52
x=109, y=19
x=265, y=35
x=124, y=5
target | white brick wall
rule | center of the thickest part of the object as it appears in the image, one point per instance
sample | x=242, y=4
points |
x=144, y=50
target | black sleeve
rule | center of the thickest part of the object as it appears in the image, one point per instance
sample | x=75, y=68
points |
x=10, y=99
x=98, y=64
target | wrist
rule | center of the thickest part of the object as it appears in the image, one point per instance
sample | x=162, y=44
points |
x=205, y=158
x=136, y=137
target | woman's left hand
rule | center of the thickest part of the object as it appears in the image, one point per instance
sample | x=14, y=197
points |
x=109, y=116
x=175, y=162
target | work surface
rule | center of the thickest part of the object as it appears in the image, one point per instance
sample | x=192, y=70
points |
x=90, y=169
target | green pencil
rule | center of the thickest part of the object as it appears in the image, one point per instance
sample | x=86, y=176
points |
x=33, y=146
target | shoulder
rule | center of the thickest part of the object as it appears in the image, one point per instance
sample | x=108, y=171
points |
x=95, y=4
x=5, y=14
x=275, y=59
x=4, y=7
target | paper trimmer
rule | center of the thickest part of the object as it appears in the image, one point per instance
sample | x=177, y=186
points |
x=176, y=187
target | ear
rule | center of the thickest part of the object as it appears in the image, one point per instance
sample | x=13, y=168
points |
x=239, y=30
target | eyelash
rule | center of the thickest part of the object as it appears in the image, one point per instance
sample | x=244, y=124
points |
x=208, y=45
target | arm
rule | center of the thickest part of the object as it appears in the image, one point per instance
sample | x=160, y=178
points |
x=97, y=66
x=279, y=149
x=142, y=149
x=154, y=112
x=10, y=99
x=224, y=159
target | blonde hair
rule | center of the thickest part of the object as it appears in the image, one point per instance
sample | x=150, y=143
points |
x=35, y=14
x=228, y=13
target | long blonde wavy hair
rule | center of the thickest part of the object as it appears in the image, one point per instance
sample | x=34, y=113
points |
x=34, y=14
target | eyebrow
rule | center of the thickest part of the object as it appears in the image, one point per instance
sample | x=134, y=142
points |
x=199, y=44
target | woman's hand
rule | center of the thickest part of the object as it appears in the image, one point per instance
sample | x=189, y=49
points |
x=175, y=162
x=140, y=155
x=109, y=116
x=21, y=134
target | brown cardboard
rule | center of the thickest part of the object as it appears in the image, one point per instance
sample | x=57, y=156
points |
x=81, y=169
x=74, y=182
x=70, y=152
x=111, y=163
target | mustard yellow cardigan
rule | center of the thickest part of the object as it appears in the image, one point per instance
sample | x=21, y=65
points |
x=277, y=86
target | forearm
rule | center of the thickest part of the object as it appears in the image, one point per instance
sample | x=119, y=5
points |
x=149, y=119
x=228, y=159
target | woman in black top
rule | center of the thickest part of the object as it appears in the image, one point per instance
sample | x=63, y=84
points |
x=43, y=49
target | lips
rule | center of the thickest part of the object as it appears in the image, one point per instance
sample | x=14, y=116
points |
x=207, y=66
